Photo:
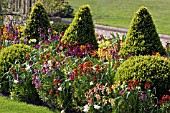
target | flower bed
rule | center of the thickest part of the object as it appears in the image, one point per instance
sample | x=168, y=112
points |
x=78, y=78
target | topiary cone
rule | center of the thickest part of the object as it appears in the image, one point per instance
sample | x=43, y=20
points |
x=142, y=37
x=81, y=30
x=38, y=23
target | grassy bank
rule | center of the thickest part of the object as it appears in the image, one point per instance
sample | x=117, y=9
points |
x=119, y=13
x=11, y=106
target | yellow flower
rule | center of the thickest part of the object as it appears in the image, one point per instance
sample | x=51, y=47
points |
x=112, y=101
x=158, y=55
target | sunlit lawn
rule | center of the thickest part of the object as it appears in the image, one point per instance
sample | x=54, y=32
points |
x=119, y=13
x=10, y=106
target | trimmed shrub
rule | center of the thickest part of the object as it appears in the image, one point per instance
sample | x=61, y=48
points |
x=38, y=23
x=58, y=8
x=59, y=27
x=142, y=37
x=8, y=56
x=81, y=30
x=153, y=69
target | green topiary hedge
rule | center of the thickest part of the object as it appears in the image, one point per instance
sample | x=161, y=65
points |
x=59, y=27
x=81, y=29
x=142, y=37
x=38, y=23
x=9, y=56
x=152, y=69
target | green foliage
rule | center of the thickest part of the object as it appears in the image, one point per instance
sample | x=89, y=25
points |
x=142, y=37
x=38, y=23
x=58, y=8
x=59, y=27
x=81, y=30
x=8, y=56
x=152, y=69
x=22, y=88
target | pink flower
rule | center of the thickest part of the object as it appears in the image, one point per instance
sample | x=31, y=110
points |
x=121, y=92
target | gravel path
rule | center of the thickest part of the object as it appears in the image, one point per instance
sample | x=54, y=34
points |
x=107, y=31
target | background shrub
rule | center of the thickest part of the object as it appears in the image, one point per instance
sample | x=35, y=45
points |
x=58, y=8
x=152, y=69
x=142, y=37
x=59, y=27
x=81, y=29
x=38, y=23
x=8, y=56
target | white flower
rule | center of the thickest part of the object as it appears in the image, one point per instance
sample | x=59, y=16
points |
x=96, y=107
x=62, y=111
x=61, y=47
x=32, y=40
x=27, y=68
x=15, y=81
x=51, y=22
x=91, y=83
x=60, y=88
x=50, y=63
x=86, y=108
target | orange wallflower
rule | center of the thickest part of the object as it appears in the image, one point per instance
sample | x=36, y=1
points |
x=22, y=69
x=47, y=55
x=27, y=55
x=11, y=35
x=82, y=47
x=12, y=69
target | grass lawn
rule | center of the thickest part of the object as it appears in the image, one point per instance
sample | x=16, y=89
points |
x=11, y=106
x=119, y=13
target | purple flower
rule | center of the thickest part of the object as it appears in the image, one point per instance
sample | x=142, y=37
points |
x=35, y=70
x=49, y=30
x=16, y=32
x=37, y=85
x=39, y=30
x=15, y=75
x=71, y=75
x=37, y=46
x=42, y=35
x=143, y=96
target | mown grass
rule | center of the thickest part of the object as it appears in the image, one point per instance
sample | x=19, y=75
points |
x=10, y=106
x=119, y=13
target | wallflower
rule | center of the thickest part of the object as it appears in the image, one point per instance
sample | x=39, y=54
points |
x=97, y=107
x=55, y=81
x=147, y=85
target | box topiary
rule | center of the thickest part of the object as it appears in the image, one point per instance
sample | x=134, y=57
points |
x=8, y=56
x=81, y=30
x=142, y=37
x=38, y=23
x=153, y=69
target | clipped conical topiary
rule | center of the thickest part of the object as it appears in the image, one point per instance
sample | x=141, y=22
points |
x=142, y=37
x=37, y=23
x=81, y=30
